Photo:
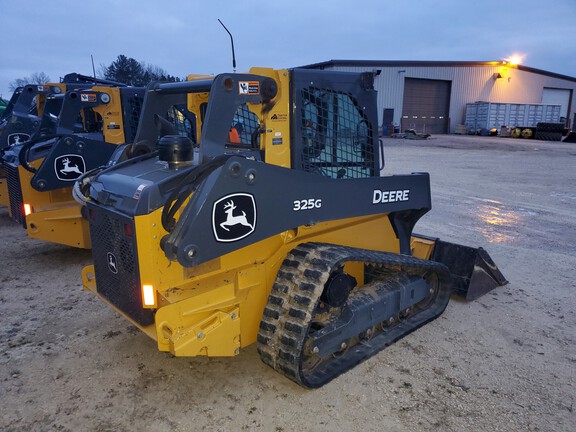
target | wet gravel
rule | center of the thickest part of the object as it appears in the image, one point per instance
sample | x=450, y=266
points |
x=506, y=362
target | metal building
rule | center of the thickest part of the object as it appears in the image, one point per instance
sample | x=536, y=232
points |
x=431, y=96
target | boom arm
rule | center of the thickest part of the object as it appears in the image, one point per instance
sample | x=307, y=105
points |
x=247, y=201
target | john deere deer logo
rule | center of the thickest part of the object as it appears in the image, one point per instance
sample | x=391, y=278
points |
x=69, y=167
x=17, y=138
x=234, y=217
x=112, y=262
x=232, y=220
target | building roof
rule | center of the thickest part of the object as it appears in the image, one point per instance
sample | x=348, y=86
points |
x=422, y=63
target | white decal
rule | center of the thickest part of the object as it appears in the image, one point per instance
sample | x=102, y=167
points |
x=234, y=217
x=381, y=196
x=138, y=191
x=232, y=220
x=248, y=87
x=17, y=138
x=88, y=97
x=307, y=204
x=69, y=167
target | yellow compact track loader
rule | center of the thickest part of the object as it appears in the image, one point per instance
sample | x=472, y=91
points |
x=21, y=119
x=281, y=233
x=41, y=172
x=27, y=116
x=96, y=126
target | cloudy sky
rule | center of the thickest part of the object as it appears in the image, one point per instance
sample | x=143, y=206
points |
x=184, y=36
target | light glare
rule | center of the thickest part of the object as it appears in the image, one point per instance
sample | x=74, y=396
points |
x=515, y=59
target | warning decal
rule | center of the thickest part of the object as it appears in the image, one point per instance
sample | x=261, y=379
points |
x=249, y=87
x=87, y=97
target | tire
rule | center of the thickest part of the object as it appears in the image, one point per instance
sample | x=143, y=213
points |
x=527, y=133
x=550, y=127
x=548, y=136
x=516, y=133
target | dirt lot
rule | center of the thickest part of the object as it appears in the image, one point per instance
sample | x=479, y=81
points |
x=506, y=362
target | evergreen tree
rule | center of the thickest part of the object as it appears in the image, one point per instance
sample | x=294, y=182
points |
x=132, y=72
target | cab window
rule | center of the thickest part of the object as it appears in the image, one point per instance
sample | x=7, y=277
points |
x=336, y=135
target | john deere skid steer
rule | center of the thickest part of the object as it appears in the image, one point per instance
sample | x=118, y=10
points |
x=42, y=170
x=21, y=120
x=286, y=236
x=47, y=167
x=28, y=115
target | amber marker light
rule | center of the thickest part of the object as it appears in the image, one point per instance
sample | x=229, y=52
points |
x=148, y=295
x=27, y=209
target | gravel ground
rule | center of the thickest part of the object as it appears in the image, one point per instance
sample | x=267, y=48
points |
x=506, y=362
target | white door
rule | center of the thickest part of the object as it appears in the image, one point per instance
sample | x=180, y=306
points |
x=554, y=96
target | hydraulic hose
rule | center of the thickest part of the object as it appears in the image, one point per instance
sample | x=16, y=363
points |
x=187, y=185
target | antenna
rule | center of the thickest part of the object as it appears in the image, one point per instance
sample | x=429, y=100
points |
x=93, y=68
x=232, y=41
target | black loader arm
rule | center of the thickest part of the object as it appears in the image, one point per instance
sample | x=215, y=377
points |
x=23, y=119
x=245, y=201
x=66, y=159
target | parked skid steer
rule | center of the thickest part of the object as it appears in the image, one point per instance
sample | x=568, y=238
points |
x=20, y=120
x=27, y=116
x=42, y=170
x=282, y=232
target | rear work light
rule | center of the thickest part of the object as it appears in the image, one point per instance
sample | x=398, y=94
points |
x=148, y=295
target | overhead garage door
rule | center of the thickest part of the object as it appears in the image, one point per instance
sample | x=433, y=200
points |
x=556, y=96
x=426, y=105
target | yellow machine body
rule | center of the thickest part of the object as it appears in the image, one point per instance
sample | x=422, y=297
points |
x=215, y=309
x=310, y=295
x=40, y=104
x=41, y=98
x=54, y=215
x=4, y=197
x=111, y=113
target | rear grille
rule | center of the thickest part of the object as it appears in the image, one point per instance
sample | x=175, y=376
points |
x=15, y=194
x=116, y=262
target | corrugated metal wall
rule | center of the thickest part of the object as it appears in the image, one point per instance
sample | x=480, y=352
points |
x=469, y=84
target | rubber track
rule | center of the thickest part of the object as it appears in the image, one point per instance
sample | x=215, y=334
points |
x=295, y=295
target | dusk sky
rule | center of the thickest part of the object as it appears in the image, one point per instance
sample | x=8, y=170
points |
x=182, y=37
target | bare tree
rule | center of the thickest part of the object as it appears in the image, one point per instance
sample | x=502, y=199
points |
x=35, y=78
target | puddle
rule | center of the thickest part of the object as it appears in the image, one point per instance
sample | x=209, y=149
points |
x=500, y=223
